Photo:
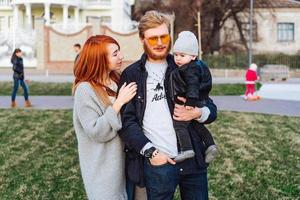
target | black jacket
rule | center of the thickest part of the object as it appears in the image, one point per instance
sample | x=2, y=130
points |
x=133, y=112
x=18, y=68
x=192, y=81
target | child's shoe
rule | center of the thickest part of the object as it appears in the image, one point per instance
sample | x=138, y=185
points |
x=183, y=155
x=211, y=153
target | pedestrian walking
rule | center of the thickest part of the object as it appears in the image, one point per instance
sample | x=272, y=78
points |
x=18, y=77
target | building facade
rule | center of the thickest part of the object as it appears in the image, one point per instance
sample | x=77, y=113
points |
x=276, y=28
x=18, y=19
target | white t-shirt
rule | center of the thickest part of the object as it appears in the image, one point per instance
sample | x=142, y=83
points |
x=157, y=122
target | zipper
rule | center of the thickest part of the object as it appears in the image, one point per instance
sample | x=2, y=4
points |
x=166, y=84
x=171, y=88
x=144, y=100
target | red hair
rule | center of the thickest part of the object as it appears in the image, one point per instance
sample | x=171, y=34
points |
x=92, y=66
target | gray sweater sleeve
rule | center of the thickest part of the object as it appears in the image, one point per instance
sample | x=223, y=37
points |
x=100, y=124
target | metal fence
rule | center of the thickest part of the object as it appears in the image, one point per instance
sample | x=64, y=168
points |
x=240, y=61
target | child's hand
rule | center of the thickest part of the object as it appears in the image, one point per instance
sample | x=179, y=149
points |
x=189, y=107
x=258, y=77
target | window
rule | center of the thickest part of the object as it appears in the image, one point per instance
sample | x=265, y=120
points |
x=2, y=24
x=105, y=19
x=285, y=32
x=5, y=22
x=10, y=21
x=51, y=15
x=99, y=2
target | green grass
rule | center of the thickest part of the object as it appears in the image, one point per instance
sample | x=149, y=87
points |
x=39, y=88
x=38, y=158
x=259, y=156
x=64, y=89
x=230, y=89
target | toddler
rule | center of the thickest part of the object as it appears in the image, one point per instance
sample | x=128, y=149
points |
x=251, y=77
x=191, y=80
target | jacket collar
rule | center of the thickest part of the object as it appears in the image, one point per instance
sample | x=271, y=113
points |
x=143, y=60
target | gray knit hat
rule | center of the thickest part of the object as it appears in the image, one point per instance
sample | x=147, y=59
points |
x=186, y=43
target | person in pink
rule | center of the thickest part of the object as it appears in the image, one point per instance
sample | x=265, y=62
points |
x=251, y=77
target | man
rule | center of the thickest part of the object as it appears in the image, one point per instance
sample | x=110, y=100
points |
x=147, y=121
x=77, y=49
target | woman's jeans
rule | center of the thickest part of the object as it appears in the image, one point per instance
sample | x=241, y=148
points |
x=18, y=82
x=130, y=188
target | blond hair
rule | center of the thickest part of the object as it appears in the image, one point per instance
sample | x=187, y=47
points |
x=152, y=19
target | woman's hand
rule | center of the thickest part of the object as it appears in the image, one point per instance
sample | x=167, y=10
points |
x=183, y=114
x=126, y=93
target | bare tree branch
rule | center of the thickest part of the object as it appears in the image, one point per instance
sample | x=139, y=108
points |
x=214, y=15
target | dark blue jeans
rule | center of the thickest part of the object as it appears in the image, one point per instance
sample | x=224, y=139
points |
x=161, y=183
x=18, y=82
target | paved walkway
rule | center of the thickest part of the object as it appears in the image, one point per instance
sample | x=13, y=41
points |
x=267, y=106
x=40, y=102
x=227, y=103
x=282, y=91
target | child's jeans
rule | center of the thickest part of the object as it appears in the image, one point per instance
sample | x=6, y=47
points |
x=183, y=136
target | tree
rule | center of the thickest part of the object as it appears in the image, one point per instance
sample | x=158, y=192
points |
x=185, y=11
x=214, y=14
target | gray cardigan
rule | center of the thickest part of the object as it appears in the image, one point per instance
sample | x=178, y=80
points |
x=101, y=157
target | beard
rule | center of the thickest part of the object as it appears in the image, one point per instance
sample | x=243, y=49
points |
x=155, y=56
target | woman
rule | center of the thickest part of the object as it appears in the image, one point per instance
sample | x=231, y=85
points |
x=18, y=68
x=96, y=117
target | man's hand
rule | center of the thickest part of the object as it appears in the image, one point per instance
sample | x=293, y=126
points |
x=189, y=107
x=161, y=159
x=183, y=114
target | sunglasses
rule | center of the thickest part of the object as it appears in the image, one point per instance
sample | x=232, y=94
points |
x=165, y=39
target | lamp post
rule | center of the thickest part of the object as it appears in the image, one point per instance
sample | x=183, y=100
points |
x=250, y=33
x=199, y=34
x=172, y=28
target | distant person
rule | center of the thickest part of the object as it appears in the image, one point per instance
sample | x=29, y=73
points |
x=18, y=68
x=97, y=118
x=77, y=49
x=191, y=80
x=251, y=78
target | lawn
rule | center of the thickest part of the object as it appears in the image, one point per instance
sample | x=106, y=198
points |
x=64, y=89
x=230, y=89
x=259, y=156
x=39, y=88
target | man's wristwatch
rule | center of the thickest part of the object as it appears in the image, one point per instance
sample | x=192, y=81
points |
x=148, y=153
